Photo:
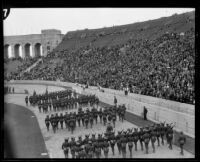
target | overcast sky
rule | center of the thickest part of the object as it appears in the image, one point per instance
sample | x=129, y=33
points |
x=32, y=21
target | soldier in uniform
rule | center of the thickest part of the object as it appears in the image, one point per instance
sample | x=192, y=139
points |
x=86, y=120
x=79, y=119
x=83, y=118
x=141, y=133
x=65, y=147
x=153, y=139
x=135, y=137
x=104, y=119
x=26, y=100
x=54, y=124
x=100, y=114
x=130, y=145
x=112, y=145
x=114, y=119
x=57, y=120
x=162, y=132
x=61, y=119
x=158, y=133
x=123, y=145
x=90, y=150
x=146, y=138
x=91, y=120
x=97, y=150
x=106, y=148
x=118, y=137
x=170, y=137
x=182, y=141
x=47, y=122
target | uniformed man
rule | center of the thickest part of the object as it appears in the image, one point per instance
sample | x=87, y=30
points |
x=79, y=118
x=100, y=115
x=146, y=138
x=112, y=145
x=65, y=147
x=182, y=141
x=162, y=132
x=158, y=130
x=106, y=148
x=90, y=150
x=104, y=119
x=61, y=119
x=115, y=101
x=13, y=90
x=135, y=137
x=26, y=100
x=153, y=139
x=170, y=137
x=130, y=145
x=91, y=120
x=47, y=122
x=114, y=119
x=86, y=120
x=123, y=146
x=57, y=120
x=141, y=133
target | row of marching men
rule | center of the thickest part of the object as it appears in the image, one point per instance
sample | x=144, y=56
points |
x=85, y=118
x=56, y=102
x=94, y=146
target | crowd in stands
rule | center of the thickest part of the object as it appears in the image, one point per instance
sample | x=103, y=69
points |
x=161, y=67
x=26, y=62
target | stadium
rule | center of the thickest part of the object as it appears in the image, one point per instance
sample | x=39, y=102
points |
x=123, y=91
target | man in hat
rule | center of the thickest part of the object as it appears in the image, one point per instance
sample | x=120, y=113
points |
x=26, y=100
x=182, y=141
x=135, y=137
x=145, y=113
x=130, y=145
x=146, y=138
x=112, y=145
x=65, y=147
x=61, y=120
x=141, y=133
x=47, y=122
x=153, y=139
x=106, y=148
x=123, y=145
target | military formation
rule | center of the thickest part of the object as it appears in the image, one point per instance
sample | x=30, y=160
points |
x=125, y=141
x=60, y=100
x=85, y=118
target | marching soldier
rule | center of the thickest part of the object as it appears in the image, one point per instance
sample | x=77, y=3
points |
x=65, y=147
x=106, y=149
x=100, y=115
x=47, y=122
x=83, y=118
x=146, y=138
x=114, y=119
x=158, y=133
x=61, y=120
x=104, y=119
x=79, y=119
x=54, y=124
x=153, y=139
x=112, y=145
x=141, y=133
x=86, y=120
x=162, y=132
x=57, y=120
x=91, y=120
x=115, y=101
x=182, y=141
x=130, y=145
x=90, y=150
x=26, y=100
x=135, y=137
x=118, y=137
x=123, y=146
x=170, y=137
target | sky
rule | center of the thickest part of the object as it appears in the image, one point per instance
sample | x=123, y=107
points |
x=33, y=20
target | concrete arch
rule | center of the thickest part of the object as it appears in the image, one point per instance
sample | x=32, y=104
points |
x=38, y=49
x=27, y=50
x=7, y=51
x=17, y=50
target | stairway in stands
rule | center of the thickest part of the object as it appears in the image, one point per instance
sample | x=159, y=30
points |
x=30, y=67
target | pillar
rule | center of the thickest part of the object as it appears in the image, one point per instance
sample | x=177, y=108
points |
x=12, y=50
x=33, y=50
x=23, y=51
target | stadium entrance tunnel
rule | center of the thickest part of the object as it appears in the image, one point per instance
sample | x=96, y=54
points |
x=17, y=50
x=7, y=51
x=27, y=50
x=38, y=49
